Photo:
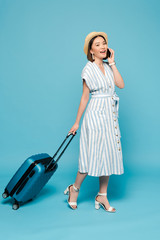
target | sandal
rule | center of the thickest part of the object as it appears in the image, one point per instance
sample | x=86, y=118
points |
x=99, y=204
x=67, y=192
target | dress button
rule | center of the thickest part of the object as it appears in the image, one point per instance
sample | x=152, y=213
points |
x=110, y=86
x=117, y=135
x=112, y=97
x=113, y=105
x=117, y=141
x=116, y=127
x=119, y=149
x=115, y=120
x=113, y=112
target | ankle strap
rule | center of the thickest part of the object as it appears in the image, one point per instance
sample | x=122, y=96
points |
x=102, y=194
x=76, y=189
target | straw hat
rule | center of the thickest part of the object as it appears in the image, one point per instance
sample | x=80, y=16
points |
x=90, y=36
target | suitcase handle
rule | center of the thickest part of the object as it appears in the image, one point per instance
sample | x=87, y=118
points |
x=52, y=160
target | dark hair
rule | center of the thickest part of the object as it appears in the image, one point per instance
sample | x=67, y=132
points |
x=89, y=55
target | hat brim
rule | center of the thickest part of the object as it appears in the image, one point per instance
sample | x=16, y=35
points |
x=90, y=36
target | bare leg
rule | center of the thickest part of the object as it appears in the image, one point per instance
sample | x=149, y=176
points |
x=79, y=179
x=103, y=185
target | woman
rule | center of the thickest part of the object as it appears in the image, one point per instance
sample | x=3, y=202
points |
x=100, y=145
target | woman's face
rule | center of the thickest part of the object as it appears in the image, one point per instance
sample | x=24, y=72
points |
x=99, y=48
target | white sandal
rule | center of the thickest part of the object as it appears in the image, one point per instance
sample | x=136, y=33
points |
x=99, y=204
x=67, y=192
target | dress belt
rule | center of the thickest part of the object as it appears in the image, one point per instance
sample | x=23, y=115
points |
x=114, y=96
x=101, y=95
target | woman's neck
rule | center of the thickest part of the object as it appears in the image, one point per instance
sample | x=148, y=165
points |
x=99, y=62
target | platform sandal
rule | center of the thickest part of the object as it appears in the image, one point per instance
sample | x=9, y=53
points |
x=99, y=204
x=67, y=192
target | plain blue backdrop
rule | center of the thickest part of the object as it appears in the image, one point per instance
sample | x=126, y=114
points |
x=41, y=59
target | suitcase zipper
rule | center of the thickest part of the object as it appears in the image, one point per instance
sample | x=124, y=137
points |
x=25, y=175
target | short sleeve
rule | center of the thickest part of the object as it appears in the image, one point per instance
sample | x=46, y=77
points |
x=85, y=76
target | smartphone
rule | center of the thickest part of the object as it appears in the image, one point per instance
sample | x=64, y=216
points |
x=108, y=53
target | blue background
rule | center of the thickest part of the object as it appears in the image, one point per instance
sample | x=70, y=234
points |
x=41, y=59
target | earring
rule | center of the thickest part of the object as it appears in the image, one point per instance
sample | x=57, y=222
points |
x=93, y=56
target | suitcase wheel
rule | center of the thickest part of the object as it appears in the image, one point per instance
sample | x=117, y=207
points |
x=5, y=195
x=15, y=206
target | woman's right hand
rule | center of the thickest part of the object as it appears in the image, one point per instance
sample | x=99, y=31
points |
x=74, y=128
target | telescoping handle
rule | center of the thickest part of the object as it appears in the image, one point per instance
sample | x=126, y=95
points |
x=52, y=160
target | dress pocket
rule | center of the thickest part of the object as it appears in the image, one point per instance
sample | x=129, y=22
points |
x=97, y=120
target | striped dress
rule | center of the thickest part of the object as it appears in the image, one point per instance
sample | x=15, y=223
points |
x=100, y=138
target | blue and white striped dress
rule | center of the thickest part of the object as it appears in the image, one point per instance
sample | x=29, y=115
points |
x=100, y=137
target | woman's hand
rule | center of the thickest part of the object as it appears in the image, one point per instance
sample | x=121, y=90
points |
x=111, y=58
x=74, y=128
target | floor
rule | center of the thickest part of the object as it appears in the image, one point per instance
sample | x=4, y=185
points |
x=135, y=195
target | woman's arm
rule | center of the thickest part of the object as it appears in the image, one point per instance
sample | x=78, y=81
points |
x=82, y=106
x=117, y=76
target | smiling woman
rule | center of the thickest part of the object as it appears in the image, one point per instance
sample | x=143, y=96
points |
x=100, y=145
x=95, y=44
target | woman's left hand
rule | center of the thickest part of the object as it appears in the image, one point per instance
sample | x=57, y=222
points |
x=111, y=58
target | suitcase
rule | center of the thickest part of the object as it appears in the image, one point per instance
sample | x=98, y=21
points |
x=33, y=174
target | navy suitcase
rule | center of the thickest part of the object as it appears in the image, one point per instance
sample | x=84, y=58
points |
x=33, y=174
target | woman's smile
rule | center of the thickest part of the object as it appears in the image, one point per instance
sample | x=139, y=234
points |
x=103, y=52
